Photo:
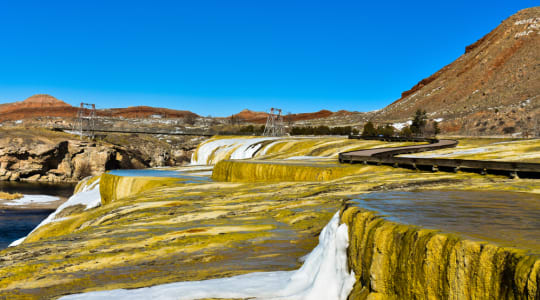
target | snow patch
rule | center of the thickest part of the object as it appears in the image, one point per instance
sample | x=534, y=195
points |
x=32, y=199
x=324, y=275
x=438, y=120
x=470, y=151
x=528, y=21
x=304, y=157
x=400, y=126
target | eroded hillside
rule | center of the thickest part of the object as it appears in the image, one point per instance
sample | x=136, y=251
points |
x=493, y=88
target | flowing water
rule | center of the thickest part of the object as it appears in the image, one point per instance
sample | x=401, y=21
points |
x=505, y=218
x=186, y=177
x=16, y=223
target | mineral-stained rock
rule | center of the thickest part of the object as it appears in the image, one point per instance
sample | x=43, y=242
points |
x=395, y=261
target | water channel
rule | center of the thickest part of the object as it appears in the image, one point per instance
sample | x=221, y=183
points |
x=16, y=223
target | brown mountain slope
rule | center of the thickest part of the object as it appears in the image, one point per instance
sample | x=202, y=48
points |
x=48, y=106
x=493, y=88
x=146, y=112
x=260, y=117
x=36, y=106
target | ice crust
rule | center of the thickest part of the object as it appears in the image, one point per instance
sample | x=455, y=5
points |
x=32, y=199
x=324, y=275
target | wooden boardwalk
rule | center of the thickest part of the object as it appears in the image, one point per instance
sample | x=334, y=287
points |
x=387, y=156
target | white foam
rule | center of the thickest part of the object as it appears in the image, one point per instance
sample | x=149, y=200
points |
x=324, y=275
x=32, y=199
x=212, y=151
x=304, y=157
x=88, y=196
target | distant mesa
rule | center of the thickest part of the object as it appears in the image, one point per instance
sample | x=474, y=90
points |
x=40, y=105
x=260, y=117
x=43, y=105
x=42, y=100
x=250, y=115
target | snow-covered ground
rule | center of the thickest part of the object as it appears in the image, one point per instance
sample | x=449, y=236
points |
x=400, y=126
x=450, y=154
x=88, y=196
x=31, y=199
x=324, y=275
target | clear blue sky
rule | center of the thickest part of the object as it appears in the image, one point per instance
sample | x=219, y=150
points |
x=219, y=57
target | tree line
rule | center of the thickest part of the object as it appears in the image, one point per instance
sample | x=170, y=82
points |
x=420, y=127
x=302, y=130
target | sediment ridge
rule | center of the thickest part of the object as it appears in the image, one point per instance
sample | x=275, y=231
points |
x=396, y=261
x=251, y=171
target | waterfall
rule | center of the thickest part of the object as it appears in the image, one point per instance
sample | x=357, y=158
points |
x=324, y=275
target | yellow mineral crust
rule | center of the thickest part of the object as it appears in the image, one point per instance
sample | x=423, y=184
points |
x=162, y=230
x=395, y=261
x=490, y=149
x=8, y=196
x=112, y=187
x=290, y=170
x=284, y=147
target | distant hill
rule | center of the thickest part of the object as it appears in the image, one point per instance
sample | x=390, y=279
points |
x=36, y=106
x=260, y=117
x=493, y=88
x=48, y=106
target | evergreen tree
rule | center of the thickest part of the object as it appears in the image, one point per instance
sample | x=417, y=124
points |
x=419, y=122
x=369, y=129
x=406, y=132
x=436, y=129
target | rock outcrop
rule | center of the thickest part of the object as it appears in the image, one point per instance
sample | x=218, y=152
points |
x=32, y=154
x=66, y=160
x=395, y=261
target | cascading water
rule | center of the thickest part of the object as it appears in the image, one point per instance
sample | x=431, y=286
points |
x=324, y=275
x=212, y=151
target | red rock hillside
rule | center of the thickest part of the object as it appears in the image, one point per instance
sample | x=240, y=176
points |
x=493, y=88
x=260, y=117
x=36, y=106
x=49, y=106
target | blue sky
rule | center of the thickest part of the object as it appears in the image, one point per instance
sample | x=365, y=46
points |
x=219, y=57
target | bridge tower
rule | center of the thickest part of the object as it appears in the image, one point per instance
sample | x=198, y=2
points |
x=86, y=119
x=274, y=123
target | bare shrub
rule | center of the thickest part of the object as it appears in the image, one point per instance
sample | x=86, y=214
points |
x=85, y=169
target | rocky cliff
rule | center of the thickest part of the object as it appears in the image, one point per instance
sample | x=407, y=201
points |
x=33, y=154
